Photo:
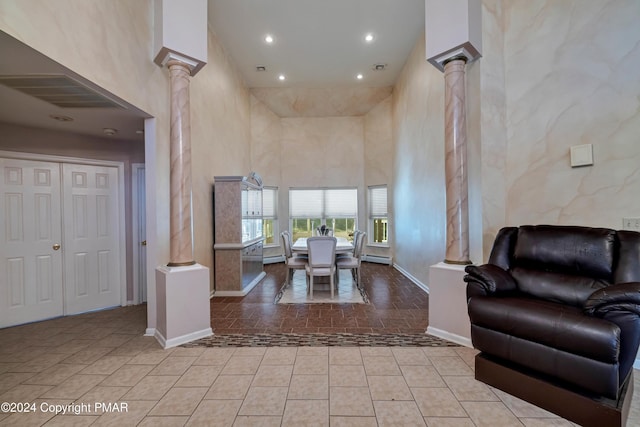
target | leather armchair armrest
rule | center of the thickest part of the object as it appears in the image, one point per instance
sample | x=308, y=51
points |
x=617, y=297
x=488, y=279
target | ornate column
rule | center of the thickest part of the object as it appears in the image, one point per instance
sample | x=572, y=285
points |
x=181, y=297
x=181, y=224
x=455, y=135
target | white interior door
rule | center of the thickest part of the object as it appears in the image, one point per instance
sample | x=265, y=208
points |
x=91, y=237
x=30, y=230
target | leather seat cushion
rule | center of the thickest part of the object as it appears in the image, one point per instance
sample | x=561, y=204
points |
x=553, y=325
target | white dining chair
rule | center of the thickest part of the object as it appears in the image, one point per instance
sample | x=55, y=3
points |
x=293, y=262
x=294, y=254
x=352, y=253
x=322, y=260
x=353, y=262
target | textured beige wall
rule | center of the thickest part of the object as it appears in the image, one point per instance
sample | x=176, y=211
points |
x=571, y=74
x=418, y=182
x=322, y=151
x=378, y=163
x=220, y=139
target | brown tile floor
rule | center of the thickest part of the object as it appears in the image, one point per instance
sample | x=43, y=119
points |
x=396, y=306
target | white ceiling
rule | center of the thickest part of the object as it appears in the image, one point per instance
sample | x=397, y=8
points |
x=318, y=44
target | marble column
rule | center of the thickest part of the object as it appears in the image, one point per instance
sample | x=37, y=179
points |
x=457, y=251
x=181, y=223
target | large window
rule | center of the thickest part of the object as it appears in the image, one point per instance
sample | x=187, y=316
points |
x=270, y=215
x=337, y=208
x=378, y=217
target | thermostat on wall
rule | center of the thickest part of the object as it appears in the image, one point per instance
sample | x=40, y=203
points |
x=581, y=155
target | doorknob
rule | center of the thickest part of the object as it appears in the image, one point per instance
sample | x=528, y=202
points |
x=56, y=246
x=144, y=243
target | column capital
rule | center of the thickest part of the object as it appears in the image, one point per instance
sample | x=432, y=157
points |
x=173, y=58
x=457, y=54
x=455, y=58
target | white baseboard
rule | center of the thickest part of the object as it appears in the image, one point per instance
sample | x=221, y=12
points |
x=244, y=291
x=406, y=274
x=174, y=342
x=449, y=336
x=150, y=332
x=273, y=259
x=378, y=259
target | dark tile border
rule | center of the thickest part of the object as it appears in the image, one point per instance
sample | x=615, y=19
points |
x=321, y=340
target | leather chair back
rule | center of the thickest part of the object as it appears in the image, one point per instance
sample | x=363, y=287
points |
x=566, y=263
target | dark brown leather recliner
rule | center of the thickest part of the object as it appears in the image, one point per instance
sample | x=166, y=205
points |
x=555, y=314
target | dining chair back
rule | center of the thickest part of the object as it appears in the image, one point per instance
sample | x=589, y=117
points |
x=289, y=248
x=353, y=262
x=353, y=252
x=322, y=256
x=293, y=263
x=286, y=244
x=359, y=244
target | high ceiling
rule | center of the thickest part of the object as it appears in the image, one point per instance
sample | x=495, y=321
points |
x=316, y=44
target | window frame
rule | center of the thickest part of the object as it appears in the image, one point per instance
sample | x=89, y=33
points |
x=323, y=209
x=371, y=216
x=274, y=218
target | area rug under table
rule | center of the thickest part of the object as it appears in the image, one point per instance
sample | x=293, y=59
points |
x=296, y=291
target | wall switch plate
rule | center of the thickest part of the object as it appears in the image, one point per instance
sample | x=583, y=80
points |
x=581, y=155
x=632, y=224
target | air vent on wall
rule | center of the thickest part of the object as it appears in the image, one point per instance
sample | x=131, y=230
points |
x=60, y=90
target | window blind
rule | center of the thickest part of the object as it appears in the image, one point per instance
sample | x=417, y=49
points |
x=269, y=209
x=341, y=203
x=305, y=203
x=323, y=203
x=378, y=201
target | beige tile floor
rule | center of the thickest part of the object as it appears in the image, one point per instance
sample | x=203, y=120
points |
x=103, y=357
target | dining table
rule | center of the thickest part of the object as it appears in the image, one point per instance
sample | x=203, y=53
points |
x=342, y=245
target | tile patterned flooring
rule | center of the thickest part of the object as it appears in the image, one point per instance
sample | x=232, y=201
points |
x=103, y=357
x=396, y=306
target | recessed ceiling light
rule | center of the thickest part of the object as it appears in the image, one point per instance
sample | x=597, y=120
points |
x=359, y=76
x=368, y=37
x=261, y=68
x=379, y=67
x=109, y=131
x=268, y=38
x=281, y=77
x=139, y=131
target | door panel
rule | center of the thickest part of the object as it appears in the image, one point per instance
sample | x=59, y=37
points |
x=30, y=226
x=92, y=237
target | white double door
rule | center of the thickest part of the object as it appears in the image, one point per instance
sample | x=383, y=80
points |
x=59, y=239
